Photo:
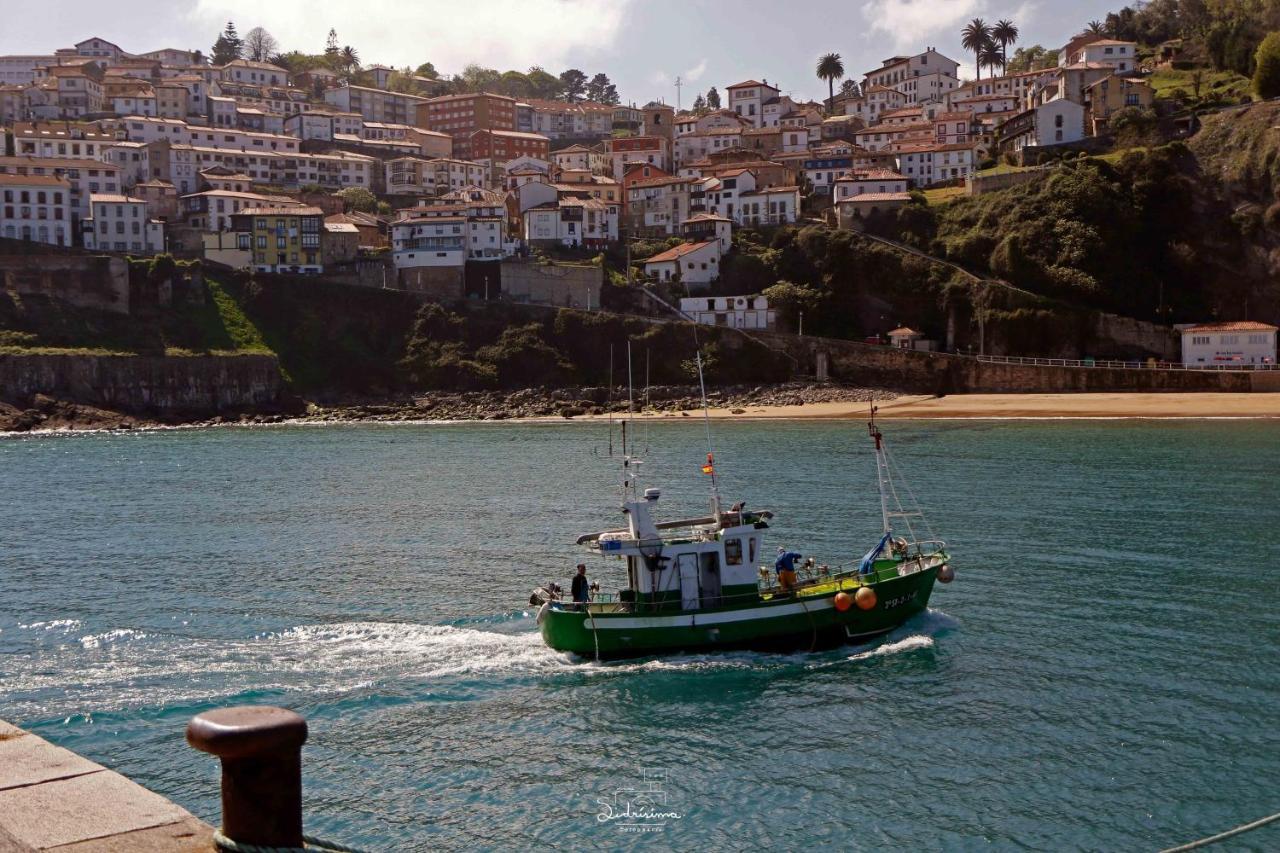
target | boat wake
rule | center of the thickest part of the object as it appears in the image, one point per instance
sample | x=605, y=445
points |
x=125, y=668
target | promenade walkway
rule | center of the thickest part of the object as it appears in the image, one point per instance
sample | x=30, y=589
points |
x=53, y=799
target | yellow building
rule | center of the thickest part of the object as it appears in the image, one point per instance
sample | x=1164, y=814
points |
x=1110, y=94
x=282, y=239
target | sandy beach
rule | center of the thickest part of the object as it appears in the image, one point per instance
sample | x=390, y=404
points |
x=1116, y=405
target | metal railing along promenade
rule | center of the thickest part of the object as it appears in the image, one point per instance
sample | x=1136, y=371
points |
x=1120, y=365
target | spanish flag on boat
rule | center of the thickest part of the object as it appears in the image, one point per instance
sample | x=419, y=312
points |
x=710, y=467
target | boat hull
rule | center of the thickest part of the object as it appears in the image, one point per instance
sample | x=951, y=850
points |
x=791, y=623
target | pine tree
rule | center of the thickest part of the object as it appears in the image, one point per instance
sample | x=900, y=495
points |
x=713, y=99
x=228, y=47
x=700, y=104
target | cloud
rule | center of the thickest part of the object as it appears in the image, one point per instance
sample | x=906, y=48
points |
x=906, y=21
x=505, y=34
x=695, y=73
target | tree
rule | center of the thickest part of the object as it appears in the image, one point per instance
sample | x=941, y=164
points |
x=477, y=78
x=228, y=47
x=991, y=57
x=543, y=84
x=849, y=88
x=350, y=59
x=1027, y=59
x=1096, y=28
x=573, y=84
x=514, y=84
x=700, y=104
x=358, y=198
x=831, y=69
x=260, y=44
x=1266, y=76
x=713, y=99
x=596, y=87
x=426, y=69
x=331, y=49
x=1006, y=33
x=975, y=36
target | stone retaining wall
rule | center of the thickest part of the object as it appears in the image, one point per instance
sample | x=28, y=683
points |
x=179, y=386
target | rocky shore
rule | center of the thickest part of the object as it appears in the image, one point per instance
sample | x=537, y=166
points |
x=579, y=402
x=43, y=413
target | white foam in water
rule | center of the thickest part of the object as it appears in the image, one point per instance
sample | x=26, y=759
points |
x=55, y=625
x=909, y=644
x=127, y=668
x=94, y=641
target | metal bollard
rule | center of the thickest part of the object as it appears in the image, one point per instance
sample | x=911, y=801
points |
x=261, y=753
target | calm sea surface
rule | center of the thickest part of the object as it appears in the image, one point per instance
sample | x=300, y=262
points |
x=1104, y=673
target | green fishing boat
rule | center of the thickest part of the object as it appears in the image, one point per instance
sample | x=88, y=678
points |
x=696, y=584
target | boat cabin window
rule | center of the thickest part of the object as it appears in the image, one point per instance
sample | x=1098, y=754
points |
x=752, y=542
x=733, y=552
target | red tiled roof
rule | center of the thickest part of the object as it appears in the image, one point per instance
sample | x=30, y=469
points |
x=678, y=252
x=1231, y=326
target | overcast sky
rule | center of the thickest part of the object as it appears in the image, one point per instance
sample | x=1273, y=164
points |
x=643, y=45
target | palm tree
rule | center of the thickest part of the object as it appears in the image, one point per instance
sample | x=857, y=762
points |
x=831, y=69
x=350, y=59
x=991, y=57
x=1006, y=33
x=975, y=36
x=1096, y=28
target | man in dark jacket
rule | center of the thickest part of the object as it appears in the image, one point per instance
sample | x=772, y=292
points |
x=581, y=589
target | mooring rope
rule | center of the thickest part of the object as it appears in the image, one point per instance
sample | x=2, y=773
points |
x=311, y=845
x=1223, y=836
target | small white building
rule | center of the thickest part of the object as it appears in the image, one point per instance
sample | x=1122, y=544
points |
x=735, y=312
x=429, y=241
x=1233, y=344
x=907, y=338
x=37, y=208
x=119, y=223
x=694, y=264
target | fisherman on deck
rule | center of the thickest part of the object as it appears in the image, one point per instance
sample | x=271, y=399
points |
x=581, y=589
x=785, y=566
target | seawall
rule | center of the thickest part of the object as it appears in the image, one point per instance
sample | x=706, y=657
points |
x=160, y=386
x=943, y=373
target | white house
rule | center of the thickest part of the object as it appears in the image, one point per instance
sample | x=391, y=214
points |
x=36, y=208
x=748, y=98
x=1054, y=122
x=436, y=241
x=769, y=206
x=874, y=181
x=736, y=312
x=1232, y=344
x=119, y=223
x=693, y=264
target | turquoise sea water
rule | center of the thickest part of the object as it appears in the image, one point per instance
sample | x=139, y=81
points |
x=1104, y=673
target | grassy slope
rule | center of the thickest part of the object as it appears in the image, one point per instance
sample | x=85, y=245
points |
x=219, y=327
x=1241, y=149
x=1220, y=84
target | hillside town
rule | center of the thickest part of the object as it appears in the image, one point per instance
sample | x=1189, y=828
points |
x=393, y=178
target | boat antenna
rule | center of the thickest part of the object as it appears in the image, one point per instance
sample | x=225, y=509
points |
x=882, y=466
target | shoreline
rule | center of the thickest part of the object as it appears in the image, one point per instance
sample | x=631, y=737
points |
x=989, y=407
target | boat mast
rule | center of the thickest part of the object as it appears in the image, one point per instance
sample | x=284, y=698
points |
x=882, y=468
x=706, y=419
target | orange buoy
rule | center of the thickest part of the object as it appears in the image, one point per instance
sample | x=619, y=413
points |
x=843, y=601
x=946, y=574
x=865, y=598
